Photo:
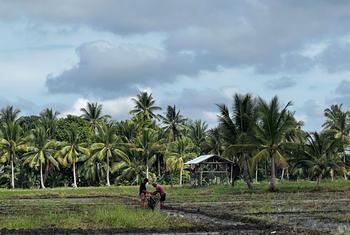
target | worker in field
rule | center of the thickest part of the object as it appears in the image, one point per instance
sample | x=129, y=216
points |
x=143, y=192
x=162, y=194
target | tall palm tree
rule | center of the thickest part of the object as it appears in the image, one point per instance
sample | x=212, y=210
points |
x=238, y=130
x=108, y=145
x=198, y=134
x=273, y=125
x=93, y=114
x=9, y=114
x=173, y=122
x=338, y=121
x=48, y=120
x=178, y=152
x=40, y=152
x=145, y=106
x=148, y=143
x=11, y=143
x=214, y=143
x=72, y=151
x=321, y=156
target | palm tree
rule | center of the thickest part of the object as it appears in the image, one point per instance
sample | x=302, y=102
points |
x=238, y=131
x=72, y=151
x=108, y=145
x=145, y=106
x=9, y=114
x=273, y=124
x=214, y=142
x=148, y=143
x=338, y=122
x=40, y=152
x=48, y=120
x=178, y=152
x=198, y=132
x=11, y=143
x=93, y=114
x=173, y=122
x=321, y=156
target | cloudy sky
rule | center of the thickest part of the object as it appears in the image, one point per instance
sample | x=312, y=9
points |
x=193, y=54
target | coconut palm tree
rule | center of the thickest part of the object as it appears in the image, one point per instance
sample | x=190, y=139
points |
x=238, y=131
x=72, y=151
x=48, y=120
x=198, y=133
x=11, y=143
x=173, y=122
x=338, y=121
x=108, y=145
x=9, y=114
x=145, y=106
x=214, y=142
x=178, y=152
x=40, y=152
x=148, y=143
x=93, y=114
x=321, y=156
x=273, y=125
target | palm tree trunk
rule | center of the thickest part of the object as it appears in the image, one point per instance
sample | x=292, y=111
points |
x=108, y=183
x=246, y=174
x=46, y=174
x=256, y=172
x=273, y=174
x=180, y=176
x=158, y=161
x=12, y=173
x=41, y=175
x=282, y=176
x=344, y=159
x=171, y=179
x=74, y=176
x=147, y=167
x=318, y=181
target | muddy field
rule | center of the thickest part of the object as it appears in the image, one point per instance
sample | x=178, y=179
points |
x=247, y=213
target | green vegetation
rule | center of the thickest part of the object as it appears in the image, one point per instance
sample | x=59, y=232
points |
x=261, y=138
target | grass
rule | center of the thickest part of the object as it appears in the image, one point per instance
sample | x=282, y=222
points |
x=116, y=216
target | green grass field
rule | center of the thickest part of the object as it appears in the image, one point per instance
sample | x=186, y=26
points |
x=117, y=207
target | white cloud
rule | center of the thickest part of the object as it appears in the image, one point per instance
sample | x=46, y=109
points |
x=118, y=108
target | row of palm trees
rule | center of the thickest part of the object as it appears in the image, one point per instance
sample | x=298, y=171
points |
x=258, y=136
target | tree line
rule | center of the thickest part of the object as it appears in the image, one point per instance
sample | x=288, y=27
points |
x=262, y=138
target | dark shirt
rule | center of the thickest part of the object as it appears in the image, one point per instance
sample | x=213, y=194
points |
x=143, y=188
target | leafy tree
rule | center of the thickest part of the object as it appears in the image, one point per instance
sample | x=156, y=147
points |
x=240, y=135
x=40, y=152
x=93, y=115
x=197, y=133
x=11, y=143
x=9, y=114
x=108, y=145
x=82, y=127
x=177, y=153
x=321, y=156
x=72, y=151
x=145, y=106
x=173, y=122
x=273, y=124
x=148, y=143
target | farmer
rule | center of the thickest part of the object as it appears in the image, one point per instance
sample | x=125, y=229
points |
x=143, y=192
x=162, y=194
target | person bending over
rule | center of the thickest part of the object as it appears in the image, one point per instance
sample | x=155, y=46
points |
x=160, y=190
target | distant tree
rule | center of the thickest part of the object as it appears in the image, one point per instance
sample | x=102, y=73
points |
x=72, y=151
x=93, y=115
x=197, y=133
x=82, y=127
x=9, y=114
x=173, y=122
x=145, y=106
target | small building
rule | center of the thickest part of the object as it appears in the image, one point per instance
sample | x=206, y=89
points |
x=208, y=169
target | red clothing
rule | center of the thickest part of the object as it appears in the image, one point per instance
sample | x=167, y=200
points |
x=160, y=189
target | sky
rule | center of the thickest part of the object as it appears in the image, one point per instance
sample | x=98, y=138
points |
x=192, y=54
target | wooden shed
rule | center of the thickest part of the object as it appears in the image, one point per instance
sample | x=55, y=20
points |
x=208, y=169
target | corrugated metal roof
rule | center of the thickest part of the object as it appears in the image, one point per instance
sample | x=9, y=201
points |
x=199, y=159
